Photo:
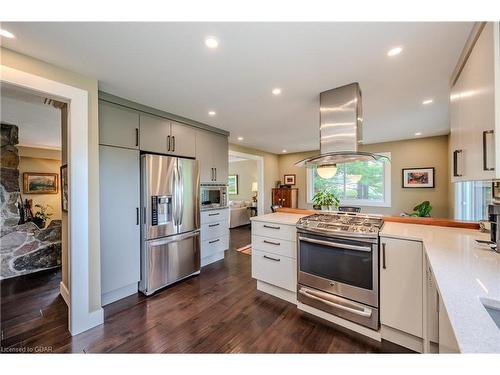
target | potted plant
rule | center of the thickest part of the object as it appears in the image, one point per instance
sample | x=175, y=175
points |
x=422, y=210
x=42, y=215
x=326, y=200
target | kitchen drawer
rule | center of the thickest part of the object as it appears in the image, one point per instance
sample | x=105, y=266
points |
x=213, y=216
x=211, y=231
x=211, y=247
x=274, y=269
x=275, y=246
x=274, y=230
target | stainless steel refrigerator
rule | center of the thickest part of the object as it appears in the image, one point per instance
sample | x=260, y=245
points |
x=170, y=249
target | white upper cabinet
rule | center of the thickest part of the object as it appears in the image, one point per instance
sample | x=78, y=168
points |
x=167, y=137
x=155, y=134
x=183, y=140
x=118, y=126
x=475, y=111
x=212, y=155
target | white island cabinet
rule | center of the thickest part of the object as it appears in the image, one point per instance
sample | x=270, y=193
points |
x=274, y=254
x=401, y=292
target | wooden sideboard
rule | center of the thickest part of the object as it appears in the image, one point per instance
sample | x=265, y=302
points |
x=285, y=197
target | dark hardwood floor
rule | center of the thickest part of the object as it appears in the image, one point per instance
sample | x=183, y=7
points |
x=219, y=311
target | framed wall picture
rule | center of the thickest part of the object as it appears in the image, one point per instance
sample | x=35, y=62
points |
x=232, y=184
x=418, y=177
x=40, y=183
x=64, y=188
x=289, y=179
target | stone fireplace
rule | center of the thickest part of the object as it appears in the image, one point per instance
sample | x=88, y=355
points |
x=24, y=248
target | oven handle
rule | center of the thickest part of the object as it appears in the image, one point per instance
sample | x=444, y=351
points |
x=366, y=312
x=336, y=244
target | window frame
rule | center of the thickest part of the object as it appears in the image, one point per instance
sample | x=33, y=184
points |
x=386, y=202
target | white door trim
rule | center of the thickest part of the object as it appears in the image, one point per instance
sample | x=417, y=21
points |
x=81, y=318
x=260, y=176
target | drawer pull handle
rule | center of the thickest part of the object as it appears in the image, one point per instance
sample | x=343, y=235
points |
x=383, y=256
x=271, y=226
x=213, y=225
x=214, y=241
x=217, y=214
x=271, y=258
x=272, y=243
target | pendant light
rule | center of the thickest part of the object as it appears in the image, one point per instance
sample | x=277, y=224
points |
x=327, y=171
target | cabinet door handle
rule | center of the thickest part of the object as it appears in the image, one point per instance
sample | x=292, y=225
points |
x=214, y=241
x=216, y=214
x=485, y=150
x=136, y=137
x=383, y=256
x=168, y=143
x=271, y=258
x=272, y=242
x=173, y=143
x=455, y=163
x=137, y=216
x=213, y=225
x=270, y=226
x=215, y=174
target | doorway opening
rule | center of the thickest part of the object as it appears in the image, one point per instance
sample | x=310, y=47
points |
x=34, y=248
x=245, y=187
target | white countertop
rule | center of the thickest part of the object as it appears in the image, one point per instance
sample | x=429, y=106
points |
x=279, y=218
x=464, y=272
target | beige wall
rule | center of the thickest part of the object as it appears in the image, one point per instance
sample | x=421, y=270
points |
x=41, y=161
x=49, y=71
x=247, y=173
x=422, y=152
x=271, y=171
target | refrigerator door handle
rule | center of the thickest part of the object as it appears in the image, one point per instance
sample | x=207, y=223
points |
x=175, y=201
x=180, y=185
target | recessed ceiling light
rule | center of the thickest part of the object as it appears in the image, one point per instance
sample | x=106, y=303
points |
x=284, y=151
x=240, y=138
x=6, y=34
x=211, y=42
x=211, y=113
x=427, y=101
x=394, y=51
x=276, y=91
x=418, y=134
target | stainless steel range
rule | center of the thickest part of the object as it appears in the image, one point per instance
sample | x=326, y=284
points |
x=338, y=257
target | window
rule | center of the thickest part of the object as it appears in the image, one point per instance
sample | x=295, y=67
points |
x=361, y=183
x=472, y=199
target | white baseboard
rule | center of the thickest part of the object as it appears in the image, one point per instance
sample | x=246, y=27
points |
x=212, y=258
x=115, y=295
x=375, y=335
x=63, y=290
x=287, y=295
x=401, y=338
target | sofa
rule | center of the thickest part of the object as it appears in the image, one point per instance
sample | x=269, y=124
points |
x=239, y=214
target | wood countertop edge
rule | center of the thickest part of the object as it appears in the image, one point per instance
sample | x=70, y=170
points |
x=402, y=219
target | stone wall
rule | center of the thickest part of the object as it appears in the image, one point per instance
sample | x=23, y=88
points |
x=23, y=248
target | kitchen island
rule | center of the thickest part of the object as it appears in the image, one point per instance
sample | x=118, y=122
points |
x=465, y=274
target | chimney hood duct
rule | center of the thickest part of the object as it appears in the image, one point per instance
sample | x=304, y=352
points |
x=340, y=130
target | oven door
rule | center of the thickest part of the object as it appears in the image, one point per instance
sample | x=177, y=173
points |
x=341, y=266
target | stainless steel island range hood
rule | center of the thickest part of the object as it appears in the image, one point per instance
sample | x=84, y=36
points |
x=341, y=130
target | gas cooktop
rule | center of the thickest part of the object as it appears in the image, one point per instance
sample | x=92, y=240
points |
x=359, y=225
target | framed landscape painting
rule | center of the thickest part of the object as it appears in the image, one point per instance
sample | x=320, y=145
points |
x=418, y=177
x=232, y=184
x=40, y=183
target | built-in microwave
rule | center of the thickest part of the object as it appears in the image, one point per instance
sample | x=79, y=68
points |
x=213, y=196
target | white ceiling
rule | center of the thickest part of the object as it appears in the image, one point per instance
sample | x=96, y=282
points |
x=167, y=66
x=39, y=124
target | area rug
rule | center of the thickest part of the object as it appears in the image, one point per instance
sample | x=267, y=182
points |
x=245, y=249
